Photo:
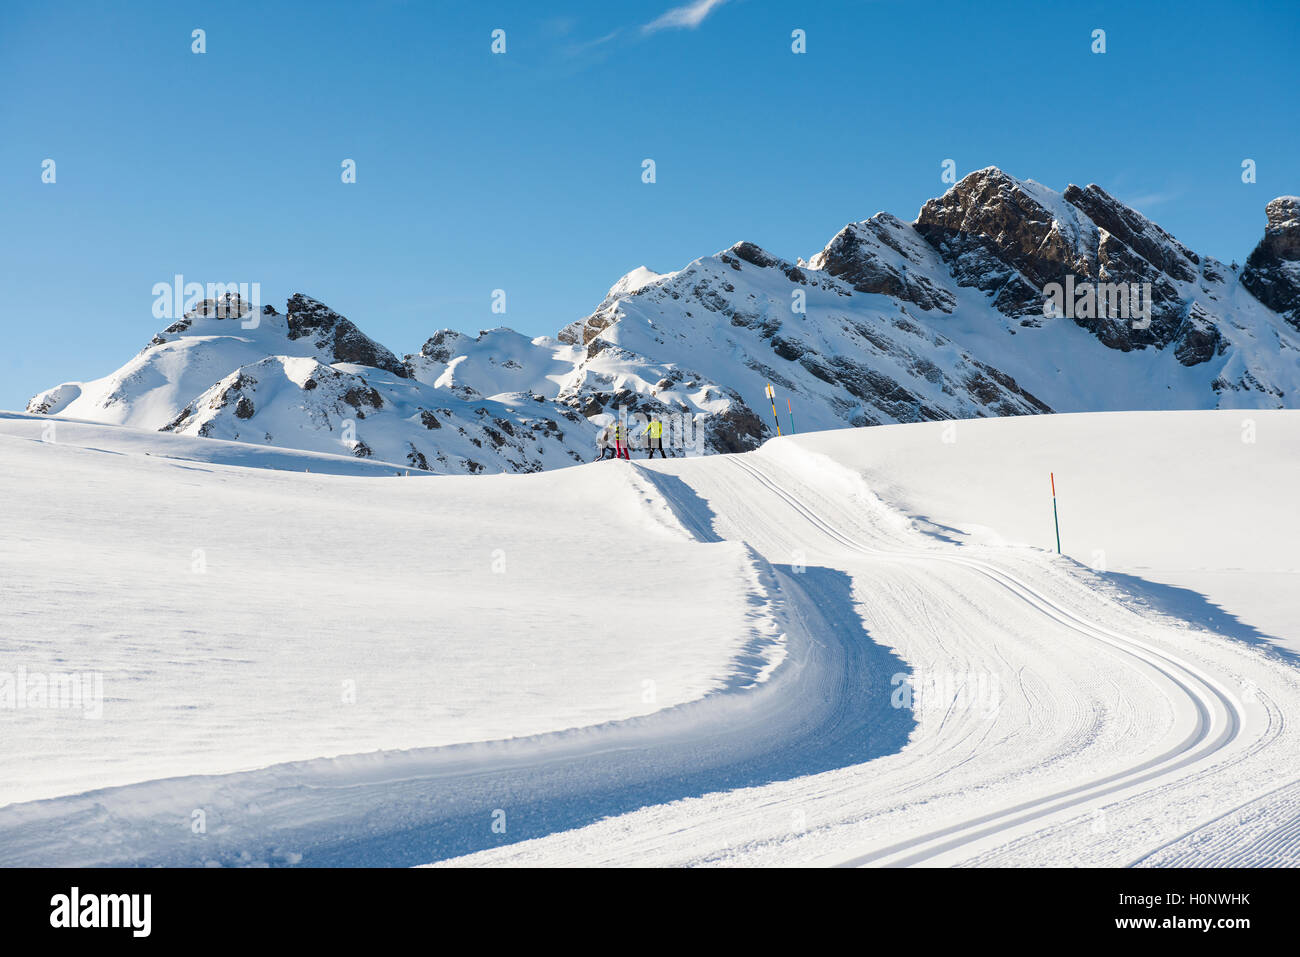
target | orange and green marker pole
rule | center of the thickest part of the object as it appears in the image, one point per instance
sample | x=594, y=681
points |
x=776, y=418
x=1054, y=515
x=790, y=409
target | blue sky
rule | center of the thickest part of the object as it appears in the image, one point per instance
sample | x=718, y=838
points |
x=522, y=171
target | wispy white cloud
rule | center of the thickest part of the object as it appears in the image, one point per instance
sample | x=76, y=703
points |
x=686, y=17
x=576, y=49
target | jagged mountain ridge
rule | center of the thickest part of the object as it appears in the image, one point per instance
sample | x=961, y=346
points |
x=891, y=322
x=310, y=379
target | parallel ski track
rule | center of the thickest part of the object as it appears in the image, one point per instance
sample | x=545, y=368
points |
x=1219, y=722
x=1270, y=821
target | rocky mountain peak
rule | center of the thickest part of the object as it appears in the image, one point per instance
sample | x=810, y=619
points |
x=441, y=346
x=228, y=306
x=1136, y=231
x=883, y=255
x=337, y=335
x=1007, y=237
x=1282, y=233
x=1013, y=239
x=1272, y=272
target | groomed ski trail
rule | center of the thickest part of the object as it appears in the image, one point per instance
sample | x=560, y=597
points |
x=1187, y=741
x=1117, y=738
x=1219, y=717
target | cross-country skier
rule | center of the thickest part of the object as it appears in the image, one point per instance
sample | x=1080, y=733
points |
x=654, y=438
x=605, y=443
x=620, y=440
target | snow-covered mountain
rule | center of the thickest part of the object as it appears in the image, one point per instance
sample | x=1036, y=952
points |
x=310, y=379
x=940, y=318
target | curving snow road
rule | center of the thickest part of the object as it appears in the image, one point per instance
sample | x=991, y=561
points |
x=1219, y=717
x=1122, y=735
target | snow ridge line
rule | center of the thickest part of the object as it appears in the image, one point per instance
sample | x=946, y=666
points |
x=671, y=503
x=784, y=719
x=1219, y=715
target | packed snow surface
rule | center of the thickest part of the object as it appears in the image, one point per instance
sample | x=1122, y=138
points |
x=234, y=613
x=854, y=647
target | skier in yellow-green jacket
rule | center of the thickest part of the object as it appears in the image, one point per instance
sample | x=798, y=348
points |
x=654, y=438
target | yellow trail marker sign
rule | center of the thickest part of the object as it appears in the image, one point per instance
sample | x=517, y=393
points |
x=771, y=395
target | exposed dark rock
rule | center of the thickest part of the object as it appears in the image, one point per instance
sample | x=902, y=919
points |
x=736, y=430
x=857, y=256
x=1135, y=231
x=441, y=346
x=997, y=236
x=1272, y=271
x=988, y=229
x=752, y=254
x=415, y=458
x=1199, y=340
x=177, y=423
x=228, y=305
x=343, y=340
x=790, y=349
x=363, y=397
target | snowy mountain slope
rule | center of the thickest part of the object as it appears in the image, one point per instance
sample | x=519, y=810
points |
x=123, y=440
x=1091, y=723
x=892, y=322
x=1208, y=338
x=1137, y=511
x=232, y=610
x=941, y=319
x=309, y=379
x=301, y=403
x=721, y=328
x=211, y=340
x=495, y=362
